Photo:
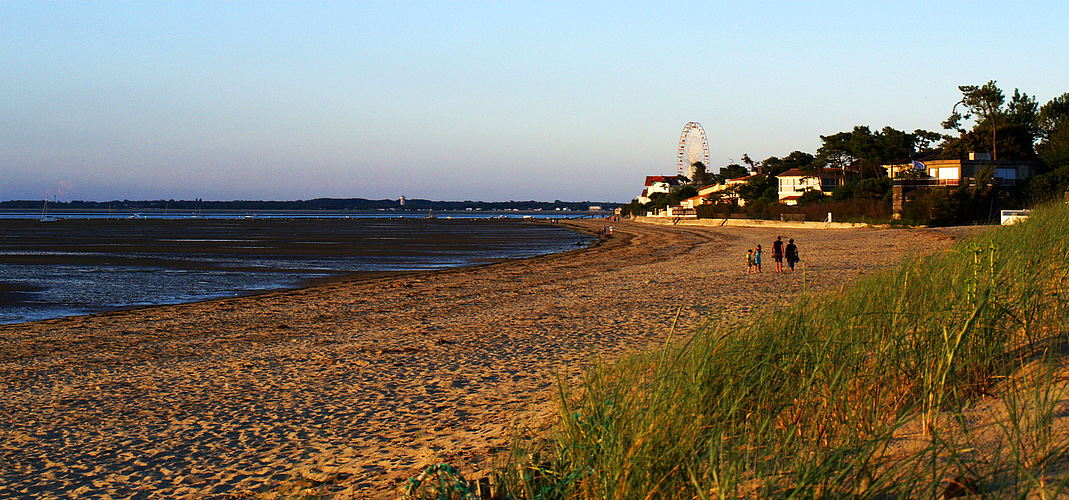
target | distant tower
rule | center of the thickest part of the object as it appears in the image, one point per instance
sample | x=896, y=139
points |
x=402, y=201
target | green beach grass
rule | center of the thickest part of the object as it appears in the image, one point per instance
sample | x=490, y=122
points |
x=872, y=392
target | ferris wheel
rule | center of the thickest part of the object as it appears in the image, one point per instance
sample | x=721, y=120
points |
x=693, y=147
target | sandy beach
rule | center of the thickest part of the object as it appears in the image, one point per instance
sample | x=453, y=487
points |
x=361, y=383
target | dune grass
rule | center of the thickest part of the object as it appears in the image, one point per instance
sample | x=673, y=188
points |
x=865, y=393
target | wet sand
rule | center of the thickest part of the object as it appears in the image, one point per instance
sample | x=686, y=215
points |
x=360, y=383
x=82, y=266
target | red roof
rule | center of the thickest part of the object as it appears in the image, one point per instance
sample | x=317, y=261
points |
x=650, y=179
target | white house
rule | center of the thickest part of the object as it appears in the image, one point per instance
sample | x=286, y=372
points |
x=657, y=184
x=794, y=183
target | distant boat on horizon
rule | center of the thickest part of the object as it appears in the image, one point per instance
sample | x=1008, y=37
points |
x=44, y=213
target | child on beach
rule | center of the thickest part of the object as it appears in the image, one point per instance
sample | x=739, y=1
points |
x=749, y=261
x=757, y=258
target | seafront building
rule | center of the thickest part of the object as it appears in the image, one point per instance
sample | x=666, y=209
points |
x=794, y=183
x=923, y=171
x=657, y=184
x=929, y=171
x=940, y=172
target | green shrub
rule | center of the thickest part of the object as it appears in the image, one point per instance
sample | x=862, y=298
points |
x=872, y=188
x=811, y=197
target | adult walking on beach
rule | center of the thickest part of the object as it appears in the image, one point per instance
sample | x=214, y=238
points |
x=777, y=253
x=792, y=253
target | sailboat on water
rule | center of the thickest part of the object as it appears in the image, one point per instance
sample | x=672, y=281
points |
x=44, y=213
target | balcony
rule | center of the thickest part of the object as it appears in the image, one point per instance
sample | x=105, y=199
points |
x=916, y=183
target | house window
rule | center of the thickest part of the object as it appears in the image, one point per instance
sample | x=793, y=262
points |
x=1006, y=173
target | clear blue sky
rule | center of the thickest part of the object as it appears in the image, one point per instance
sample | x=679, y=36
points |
x=483, y=101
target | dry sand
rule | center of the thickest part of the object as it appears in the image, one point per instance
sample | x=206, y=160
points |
x=364, y=382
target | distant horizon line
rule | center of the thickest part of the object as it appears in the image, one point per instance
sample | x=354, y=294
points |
x=400, y=201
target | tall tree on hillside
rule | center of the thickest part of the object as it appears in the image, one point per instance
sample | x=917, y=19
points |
x=1022, y=109
x=702, y=177
x=759, y=186
x=754, y=166
x=867, y=151
x=797, y=159
x=1018, y=132
x=846, y=150
x=889, y=146
x=733, y=171
x=925, y=141
x=984, y=102
x=892, y=146
x=1007, y=131
x=1052, y=132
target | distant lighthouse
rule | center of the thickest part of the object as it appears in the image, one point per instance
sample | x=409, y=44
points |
x=402, y=201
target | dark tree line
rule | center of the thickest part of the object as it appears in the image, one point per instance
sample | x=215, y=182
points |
x=323, y=204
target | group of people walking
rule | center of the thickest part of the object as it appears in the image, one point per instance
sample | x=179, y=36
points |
x=779, y=251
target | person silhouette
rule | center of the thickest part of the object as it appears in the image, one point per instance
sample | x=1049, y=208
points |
x=791, y=252
x=777, y=253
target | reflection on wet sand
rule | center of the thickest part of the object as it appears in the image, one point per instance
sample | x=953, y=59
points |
x=83, y=266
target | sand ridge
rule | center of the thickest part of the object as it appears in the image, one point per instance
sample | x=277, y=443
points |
x=365, y=382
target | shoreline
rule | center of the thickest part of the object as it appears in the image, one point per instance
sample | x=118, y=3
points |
x=91, y=267
x=361, y=383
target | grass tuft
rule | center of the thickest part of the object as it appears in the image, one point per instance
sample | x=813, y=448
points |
x=869, y=393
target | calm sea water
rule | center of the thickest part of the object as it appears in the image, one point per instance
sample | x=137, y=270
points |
x=81, y=266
